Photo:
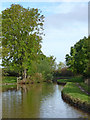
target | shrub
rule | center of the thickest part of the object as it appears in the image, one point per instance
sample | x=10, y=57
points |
x=37, y=77
x=63, y=72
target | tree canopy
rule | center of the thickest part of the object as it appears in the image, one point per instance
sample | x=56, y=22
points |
x=22, y=31
x=79, y=59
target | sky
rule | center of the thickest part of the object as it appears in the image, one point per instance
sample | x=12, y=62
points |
x=65, y=24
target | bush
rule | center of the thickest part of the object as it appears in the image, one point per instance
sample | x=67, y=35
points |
x=49, y=76
x=63, y=72
x=6, y=72
x=37, y=77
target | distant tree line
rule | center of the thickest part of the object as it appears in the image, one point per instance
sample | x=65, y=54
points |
x=62, y=70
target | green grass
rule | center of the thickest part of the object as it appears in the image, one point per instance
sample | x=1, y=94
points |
x=75, y=93
x=9, y=79
x=85, y=86
x=74, y=79
x=63, y=80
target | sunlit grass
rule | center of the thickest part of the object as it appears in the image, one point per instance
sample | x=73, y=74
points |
x=85, y=86
x=9, y=79
x=74, y=79
x=75, y=93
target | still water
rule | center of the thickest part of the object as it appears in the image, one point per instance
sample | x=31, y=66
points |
x=36, y=101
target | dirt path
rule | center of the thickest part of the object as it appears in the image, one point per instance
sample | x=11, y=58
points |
x=82, y=89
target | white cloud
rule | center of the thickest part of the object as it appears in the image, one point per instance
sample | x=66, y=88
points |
x=63, y=30
x=79, y=13
x=57, y=42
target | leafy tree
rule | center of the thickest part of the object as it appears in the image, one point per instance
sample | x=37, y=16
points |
x=0, y=36
x=87, y=69
x=22, y=31
x=78, y=60
x=60, y=66
x=70, y=60
x=45, y=66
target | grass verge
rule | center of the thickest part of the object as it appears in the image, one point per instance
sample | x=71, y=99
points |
x=85, y=86
x=72, y=94
x=9, y=79
x=74, y=79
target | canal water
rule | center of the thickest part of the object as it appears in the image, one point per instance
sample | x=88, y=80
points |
x=37, y=101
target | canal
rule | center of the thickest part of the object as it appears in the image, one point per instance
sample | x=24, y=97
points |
x=41, y=100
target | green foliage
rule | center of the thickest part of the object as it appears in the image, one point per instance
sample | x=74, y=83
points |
x=73, y=79
x=77, y=79
x=63, y=72
x=8, y=79
x=7, y=72
x=45, y=66
x=22, y=35
x=78, y=61
x=85, y=86
x=0, y=37
x=60, y=66
x=49, y=76
x=37, y=77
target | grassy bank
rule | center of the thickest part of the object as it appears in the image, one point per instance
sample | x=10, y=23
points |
x=73, y=95
x=12, y=80
x=85, y=86
x=74, y=79
x=9, y=79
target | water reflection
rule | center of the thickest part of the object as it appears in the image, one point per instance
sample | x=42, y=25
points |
x=37, y=101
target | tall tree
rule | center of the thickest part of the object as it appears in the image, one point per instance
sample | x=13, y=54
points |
x=22, y=31
x=79, y=60
x=0, y=37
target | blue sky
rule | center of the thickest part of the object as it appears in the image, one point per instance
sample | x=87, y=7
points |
x=65, y=24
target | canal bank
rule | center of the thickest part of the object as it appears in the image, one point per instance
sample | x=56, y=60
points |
x=72, y=94
x=69, y=93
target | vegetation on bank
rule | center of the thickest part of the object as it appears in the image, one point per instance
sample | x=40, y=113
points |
x=73, y=95
x=73, y=79
x=78, y=62
x=85, y=87
x=72, y=90
x=9, y=79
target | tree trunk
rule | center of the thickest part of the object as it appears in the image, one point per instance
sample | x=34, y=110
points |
x=25, y=74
